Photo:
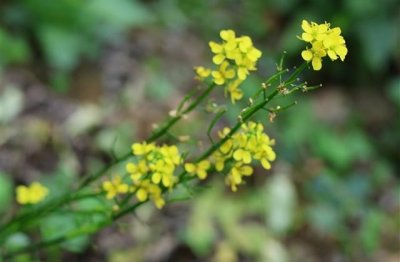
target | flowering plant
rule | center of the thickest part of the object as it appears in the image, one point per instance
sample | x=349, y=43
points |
x=154, y=170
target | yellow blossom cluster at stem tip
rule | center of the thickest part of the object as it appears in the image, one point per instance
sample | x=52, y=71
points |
x=324, y=41
x=239, y=151
x=234, y=58
x=32, y=194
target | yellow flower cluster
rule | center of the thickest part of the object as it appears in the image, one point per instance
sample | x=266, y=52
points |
x=234, y=57
x=149, y=175
x=238, y=152
x=32, y=194
x=324, y=41
x=153, y=170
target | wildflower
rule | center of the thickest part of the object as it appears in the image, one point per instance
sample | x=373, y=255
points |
x=315, y=54
x=202, y=72
x=324, y=41
x=137, y=170
x=313, y=31
x=153, y=170
x=31, y=194
x=142, y=149
x=234, y=177
x=234, y=91
x=235, y=57
x=199, y=169
x=223, y=74
x=335, y=44
x=248, y=145
x=115, y=187
x=145, y=189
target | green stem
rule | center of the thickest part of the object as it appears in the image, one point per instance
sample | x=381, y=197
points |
x=87, y=230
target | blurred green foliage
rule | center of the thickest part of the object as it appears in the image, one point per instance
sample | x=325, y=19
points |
x=63, y=33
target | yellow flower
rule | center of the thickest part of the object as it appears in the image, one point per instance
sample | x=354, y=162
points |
x=32, y=194
x=219, y=160
x=202, y=72
x=199, y=169
x=242, y=155
x=315, y=55
x=335, y=44
x=234, y=177
x=137, y=170
x=142, y=149
x=235, y=58
x=313, y=31
x=324, y=41
x=157, y=162
x=223, y=74
x=248, y=144
x=234, y=91
x=115, y=187
x=145, y=190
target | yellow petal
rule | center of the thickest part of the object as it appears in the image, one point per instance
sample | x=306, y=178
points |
x=131, y=168
x=166, y=181
x=246, y=170
x=230, y=74
x=22, y=195
x=238, y=155
x=141, y=195
x=202, y=174
x=265, y=163
x=332, y=55
x=317, y=63
x=307, y=37
x=227, y=34
x=205, y=164
x=242, y=73
x=190, y=168
x=254, y=54
x=307, y=55
x=305, y=25
x=156, y=178
x=123, y=188
x=341, y=51
x=215, y=48
x=159, y=202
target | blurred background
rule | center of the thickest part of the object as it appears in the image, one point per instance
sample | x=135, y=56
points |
x=81, y=80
